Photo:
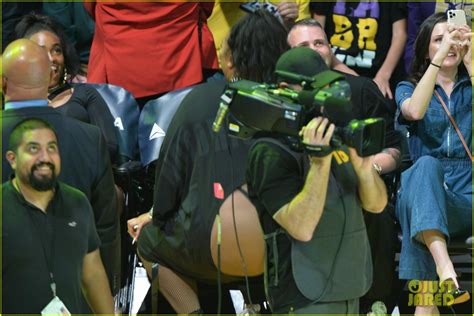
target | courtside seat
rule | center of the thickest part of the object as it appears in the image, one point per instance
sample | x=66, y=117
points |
x=153, y=123
x=125, y=111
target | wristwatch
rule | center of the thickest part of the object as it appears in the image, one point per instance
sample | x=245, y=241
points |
x=377, y=168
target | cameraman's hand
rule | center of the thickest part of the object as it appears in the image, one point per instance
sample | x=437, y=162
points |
x=318, y=132
x=362, y=165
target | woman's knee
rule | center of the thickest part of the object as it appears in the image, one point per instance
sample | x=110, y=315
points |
x=429, y=165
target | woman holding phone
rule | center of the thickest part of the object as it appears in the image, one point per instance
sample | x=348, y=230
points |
x=435, y=199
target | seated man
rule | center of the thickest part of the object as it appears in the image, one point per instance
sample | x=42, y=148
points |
x=49, y=241
x=309, y=33
x=85, y=161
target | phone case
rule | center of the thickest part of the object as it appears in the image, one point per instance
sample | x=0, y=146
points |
x=457, y=17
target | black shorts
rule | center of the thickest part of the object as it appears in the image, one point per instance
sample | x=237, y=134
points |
x=187, y=254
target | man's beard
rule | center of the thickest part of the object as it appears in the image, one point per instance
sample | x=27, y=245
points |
x=42, y=183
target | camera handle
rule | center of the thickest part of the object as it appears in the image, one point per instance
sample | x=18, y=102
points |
x=322, y=150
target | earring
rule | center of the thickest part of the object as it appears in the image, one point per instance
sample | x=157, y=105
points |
x=234, y=78
x=65, y=75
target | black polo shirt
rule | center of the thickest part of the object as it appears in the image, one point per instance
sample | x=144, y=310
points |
x=35, y=243
x=85, y=165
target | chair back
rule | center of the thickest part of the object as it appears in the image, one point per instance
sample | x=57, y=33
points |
x=154, y=121
x=124, y=109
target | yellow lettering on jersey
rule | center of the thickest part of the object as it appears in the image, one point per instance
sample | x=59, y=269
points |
x=367, y=32
x=343, y=35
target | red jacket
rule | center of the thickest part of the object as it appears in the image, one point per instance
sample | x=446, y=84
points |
x=150, y=48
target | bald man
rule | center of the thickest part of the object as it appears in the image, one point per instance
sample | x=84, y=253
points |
x=85, y=163
x=26, y=69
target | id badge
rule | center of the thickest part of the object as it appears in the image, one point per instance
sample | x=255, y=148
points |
x=55, y=307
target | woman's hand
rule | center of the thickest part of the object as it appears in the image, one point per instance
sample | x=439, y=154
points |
x=466, y=47
x=135, y=225
x=451, y=40
x=288, y=11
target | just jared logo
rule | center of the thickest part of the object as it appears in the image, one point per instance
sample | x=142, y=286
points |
x=430, y=293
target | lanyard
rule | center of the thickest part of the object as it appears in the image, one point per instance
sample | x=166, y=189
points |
x=49, y=263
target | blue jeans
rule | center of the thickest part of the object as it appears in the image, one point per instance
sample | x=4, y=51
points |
x=433, y=194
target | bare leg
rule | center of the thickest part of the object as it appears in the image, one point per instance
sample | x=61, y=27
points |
x=427, y=309
x=436, y=244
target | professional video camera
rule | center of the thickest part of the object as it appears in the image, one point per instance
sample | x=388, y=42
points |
x=254, y=108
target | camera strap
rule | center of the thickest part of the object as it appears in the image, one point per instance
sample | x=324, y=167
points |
x=453, y=122
x=317, y=150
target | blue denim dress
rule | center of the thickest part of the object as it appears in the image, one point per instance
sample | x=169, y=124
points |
x=436, y=191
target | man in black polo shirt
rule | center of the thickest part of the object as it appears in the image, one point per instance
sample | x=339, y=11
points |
x=85, y=161
x=49, y=241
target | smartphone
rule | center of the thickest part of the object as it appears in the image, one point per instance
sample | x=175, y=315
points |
x=457, y=17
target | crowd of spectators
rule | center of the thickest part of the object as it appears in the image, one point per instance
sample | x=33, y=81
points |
x=402, y=61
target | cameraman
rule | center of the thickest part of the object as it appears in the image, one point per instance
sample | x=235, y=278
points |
x=318, y=257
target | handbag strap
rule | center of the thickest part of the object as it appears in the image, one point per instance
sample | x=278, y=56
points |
x=454, y=124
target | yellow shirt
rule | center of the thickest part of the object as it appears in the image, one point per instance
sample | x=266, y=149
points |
x=225, y=14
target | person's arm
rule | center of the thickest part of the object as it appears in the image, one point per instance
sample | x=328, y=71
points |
x=135, y=225
x=414, y=108
x=399, y=37
x=374, y=104
x=301, y=215
x=104, y=204
x=104, y=199
x=388, y=160
x=467, y=49
x=372, y=190
x=336, y=64
x=320, y=18
x=320, y=11
x=95, y=285
x=174, y=168
x=100, y=116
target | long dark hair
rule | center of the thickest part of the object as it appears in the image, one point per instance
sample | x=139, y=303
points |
x=33, y=23
x=256, y=42
x=421, y=61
